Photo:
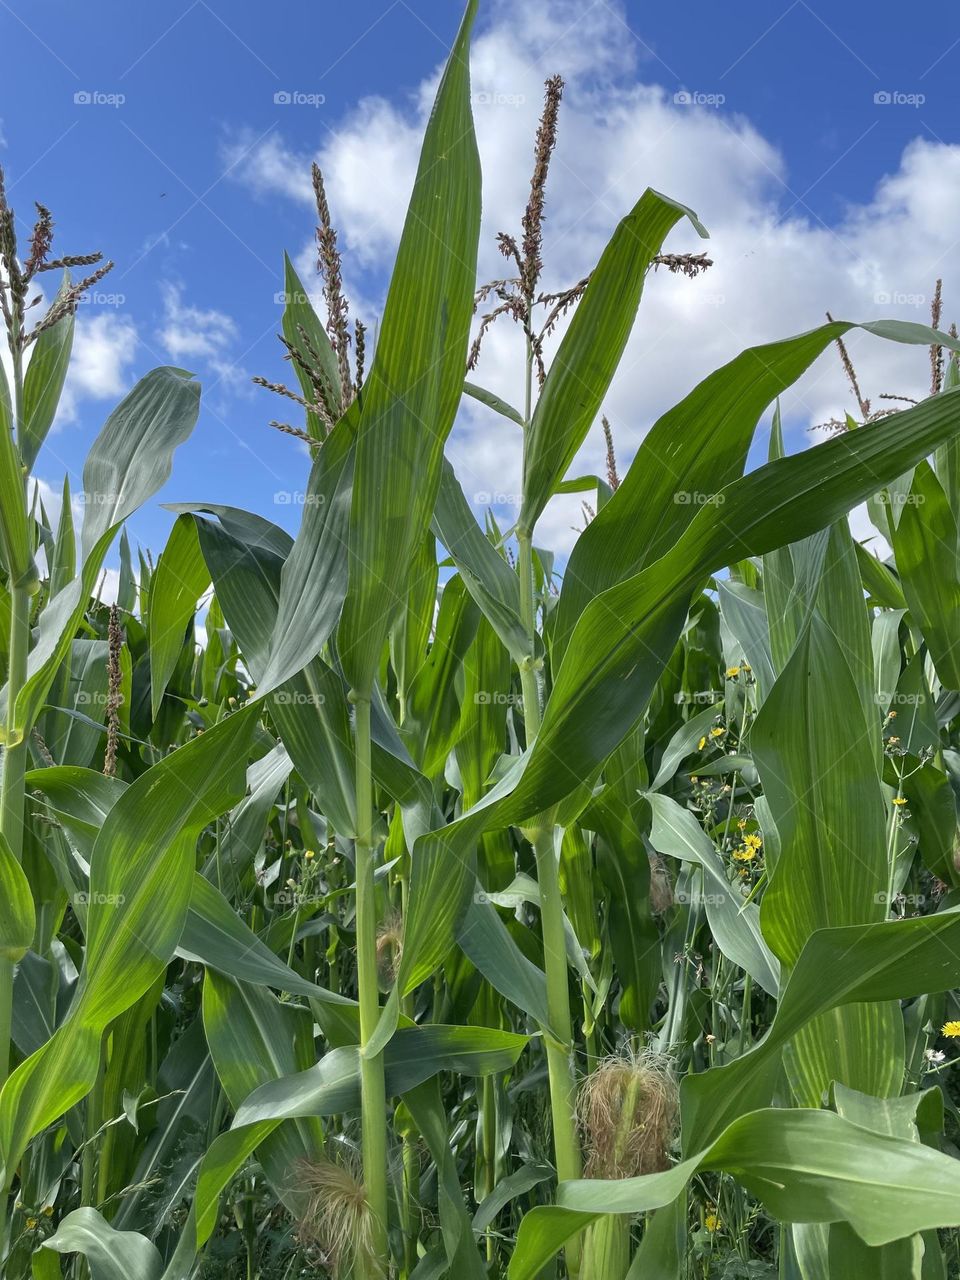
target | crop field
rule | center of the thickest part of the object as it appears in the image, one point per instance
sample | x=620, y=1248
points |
x=403, y=899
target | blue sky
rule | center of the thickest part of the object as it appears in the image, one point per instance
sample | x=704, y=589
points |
x=187, y=170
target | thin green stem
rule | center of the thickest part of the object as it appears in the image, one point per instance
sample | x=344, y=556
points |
x=373, y=1099
x=14, y=753
x=558, y=1037
x=529, y=683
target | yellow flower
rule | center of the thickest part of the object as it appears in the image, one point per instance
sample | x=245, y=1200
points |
x=732, y=673
x=701, y=744
x=718, y=732
x=754, y=842
x=951, y=1029
x=308, y=854
x=711, y=1222
x=744, y=854
x=31, y=1223
x=899, y=800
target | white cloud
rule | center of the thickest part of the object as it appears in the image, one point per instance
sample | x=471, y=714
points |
x=190, y=333
x=104, y=348
x=778, y=267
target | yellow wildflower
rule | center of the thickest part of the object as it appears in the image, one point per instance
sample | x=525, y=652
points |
x=701, y=744
x=951, y=1029
x=732, y=673
x=718, y=732
x=31, y=1224
x=308, y=854
x=899, y=799
x=744, y=854
x=712, y=1223
x=753, y=842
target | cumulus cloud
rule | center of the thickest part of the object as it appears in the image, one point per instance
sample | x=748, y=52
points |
x=778, y=267
x=104, y=349
x=190, y=333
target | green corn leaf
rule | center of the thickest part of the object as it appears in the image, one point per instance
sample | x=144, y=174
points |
x=17, y=915
x=844, y=966
x=298, y=314
x=689, y=456
x=485, y=940
x=415, y=384
x=493, y=402
x=245, y=558
x=623, y=865
x=590, y=351
x=129, y=461
x=806, y=1166
x=72, y=740
x=43, y=383
x=625, y=638
x=425, y=1104
x=243, y=837
x=254, y=1039
x=313, y=581
x=110, y=1254
x=413, y=1057
x=16, y=544
x=814, y=751
x=734, y=922
x=214, y=935
x=139, y=895
x=485, y=572
x=925, y=543
x=63, y=562
x=181, y=578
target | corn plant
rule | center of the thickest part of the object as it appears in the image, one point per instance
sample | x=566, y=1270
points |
x=452, y=910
